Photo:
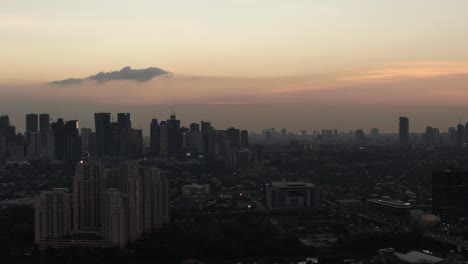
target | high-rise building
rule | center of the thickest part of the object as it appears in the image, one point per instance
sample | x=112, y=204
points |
x=194, y=128
x=103, y=130
x=154, y=198
x=163, y=140
x=85, y=138
x=174, y=137
x=31, y=123
x=244, y=139
x=155, y=140
x=233, y=136
x=58, y=129
x=460, y=135
x=44, y=123
x=4, y=123
x=429, y=136
x=87, y=195
x=374, y=132
x=205, y=126
x=115, y=217
x=72, y=141
x=404, y=131
x=453, y=136
x=53, y=215
x=124, y=121
x=360, y=137
x=450, y=194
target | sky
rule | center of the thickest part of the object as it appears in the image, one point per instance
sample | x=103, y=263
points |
x=301, y=64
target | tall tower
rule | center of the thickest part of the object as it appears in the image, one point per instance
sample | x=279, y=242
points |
x=404, y=131
x=103, y=130
x=44, y=123
x=87, y=195
x=460, y=135
x=155, y=141
x=115, y=221
x=53, y=215
x=163, y=139
x=154, y=198
x=31, y=123
x=244, y=139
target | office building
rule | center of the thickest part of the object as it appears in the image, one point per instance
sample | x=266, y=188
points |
x=404, y=131
x=87, y=195
x=292, y=195
x=44, y=123
x=72, y=141
x=115, y=217
x=244, y=138
x=450, y=194
x=31, y=123
x=53, y=215
x=155, y=140
x=103, y=134
x=460, y=135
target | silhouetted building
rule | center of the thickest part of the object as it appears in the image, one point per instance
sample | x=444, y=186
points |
x=44, y=123
x=31, y=123
x=360, y=138
x=404, y=131
x=429, y=136
x=72, y=141
x=453, y=136
x=85, y=138
x=233, y=137
x=460, y=135
x=58, y=130
x=163, y=139
x=244, y=139
x=450, y=194
x=174, y=142
x=155, y=140
x=103, y=134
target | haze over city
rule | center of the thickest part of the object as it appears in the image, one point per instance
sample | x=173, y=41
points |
x=302, y=64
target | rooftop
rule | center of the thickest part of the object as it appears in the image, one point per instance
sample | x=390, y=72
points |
x=292, y=185
x=418, y=257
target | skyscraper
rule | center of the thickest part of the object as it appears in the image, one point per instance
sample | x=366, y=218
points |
x=174, y=137
x=58, y=129
x=404, y=131
x=450, y=194
x=154, y=198
x=53, y=215
x=460, y=135
x=244, y=139
x=155, y=141
x=124, y=121
x=233, y=136
x=87, y=195
x=31, y=123
x=44, y=123
x=103, y=134
x=115, y=217
x=163, y=140
x=85, y=138
x=72, y=141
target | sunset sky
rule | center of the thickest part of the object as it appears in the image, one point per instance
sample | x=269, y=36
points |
x=318, y=64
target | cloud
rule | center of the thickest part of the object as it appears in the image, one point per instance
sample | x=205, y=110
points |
x=413, y=69
x=127, y=73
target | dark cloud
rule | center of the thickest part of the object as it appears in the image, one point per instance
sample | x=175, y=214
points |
x=127, y=73
x=70, y=81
